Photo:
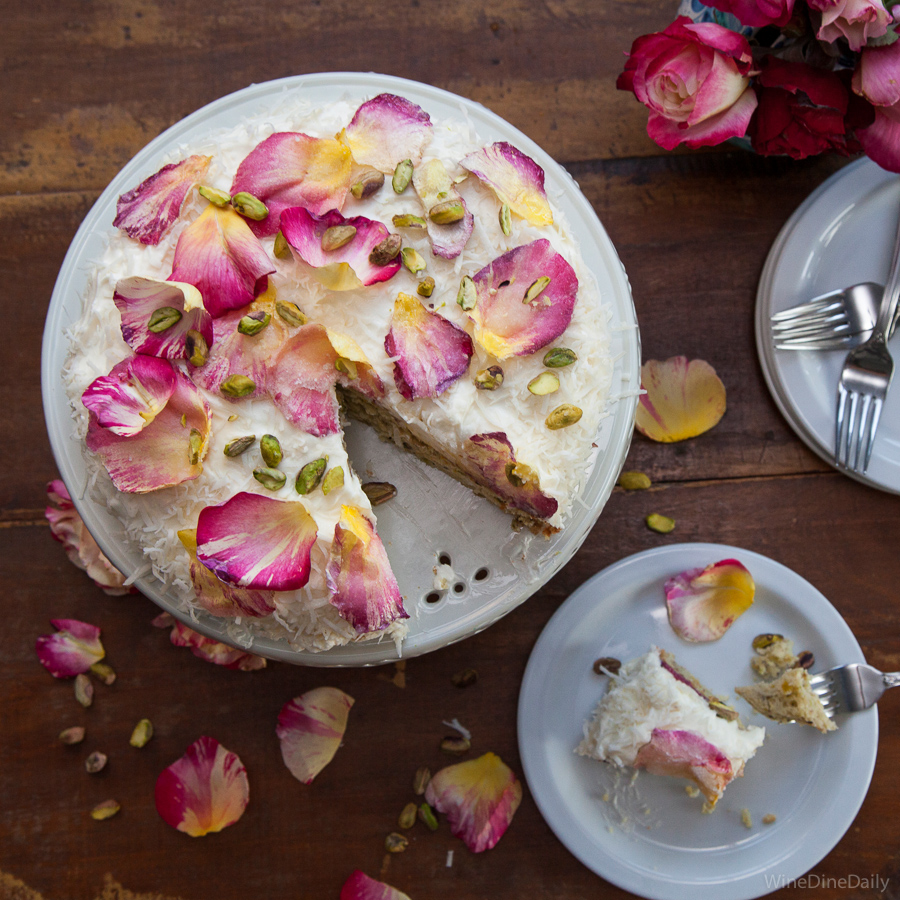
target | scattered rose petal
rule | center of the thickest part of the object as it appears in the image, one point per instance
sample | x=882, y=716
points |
x=516, y=179
x=346, y=268
x=359, y=577
x=73, y=649
x=703, y=603
x=204, y=791
x=360, y=887
x=479, y=798
x=147, y=212
x=434, y=185
x=505, y=325
x=220, y=255
x=209, y=649
x=254, y=541
x=386, y=130
x=432, y=352
x=311, y=728
x=682, y=399
x=291, y=169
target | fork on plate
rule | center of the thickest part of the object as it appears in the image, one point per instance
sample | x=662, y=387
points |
x=851, y=688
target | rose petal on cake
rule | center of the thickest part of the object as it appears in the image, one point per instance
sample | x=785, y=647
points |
x=683, y=399
x=434, y=185
x=137, y=299
x=492, y=460
x=359, y=576
x=311, y=728
x=516, y=179
x=71, y=650
x=505, y=325
x=292, y=169
x=432, y=352
x=386, y=130
x=223, y=259
x=219, y=598
x=147, y=212
x=346, y=268
x=254, y=541
x=133, y=394
x=210, y=650
x=166, y=452
x=360, y=886
x=703, y=603
x=479, y=798
x=67, y=527
x=353, y=366
x=204, y=791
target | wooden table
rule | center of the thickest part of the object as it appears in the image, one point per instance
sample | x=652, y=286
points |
x=85, y=86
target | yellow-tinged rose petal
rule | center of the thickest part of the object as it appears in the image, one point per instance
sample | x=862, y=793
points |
x=683, y=399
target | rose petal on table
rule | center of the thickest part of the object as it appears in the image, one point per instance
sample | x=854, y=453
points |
x=292, y=169
x=703, y=603
x=223, y=259
x=204, y=791
x=431, y=351
x=311, y=728
x=346, y=268
x=360, y=886
x=479, y=798
x=683, y=399
x=71, y=650
x=138, y=298
x=209, y=649
x=254, y=541
x=433, y=184
x=386, y=130
x=147, y=212
x=359, y=576
x=686, y=754
x=516, y=179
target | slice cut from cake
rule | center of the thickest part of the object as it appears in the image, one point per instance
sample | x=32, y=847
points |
x=789, y=698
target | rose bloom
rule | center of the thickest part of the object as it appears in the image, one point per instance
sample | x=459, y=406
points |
x=877, y=79
x=756, y=12
x=856, y=20
x=694, y=79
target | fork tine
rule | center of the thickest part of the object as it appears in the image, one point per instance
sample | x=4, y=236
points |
x=834, y=342
x=861, y=439
x=805, y=309
x=811, y=328
x=839, y=456
x=870, y=441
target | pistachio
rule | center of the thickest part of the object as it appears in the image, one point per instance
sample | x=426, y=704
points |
x=142, y=733
x=505, y=220
x=408, y=817
x=96, y=762
x=660, y=524
x=105, y=810
x=412, y=259
x=214, y=195
x=489, y=379
x=310, y=475
x=239, y=445
x=270, y=448
x=467, y=296
x=367, y=183
x=761, y=641
x=237, y=386
x=402, y=176
x=426, y=286
x=607, y=664
x=290, y=313
x=562, y=417
x=408, y=220
x=395, y=842
x=337, y=236
x=420, y=780
x=184, y=420
x=723, y=710
x=518, y=474
x=426, y=814
x=634, y=481
x=559, y=358
x=249, y=206
x=806, y=659
x=536, y=288
x=464, y=678
x=543, y=384
x=195, y=447
x=253, y=323
x=447, y=212
x=746, y=818
x=270, y=478
x=163, y=318
x=73, y=735
x=769, y=819
x=195, y=348
x=386, y=251
x=347, y=367
x=456, y=745
x=233, y=418
x=104, y=672
x=379, y=492
x=282, y=248
x=84, y=690
x=334, y=478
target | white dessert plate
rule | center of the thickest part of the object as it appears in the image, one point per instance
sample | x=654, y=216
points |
x=437, y=519
x=649, y=836
x=842, y=234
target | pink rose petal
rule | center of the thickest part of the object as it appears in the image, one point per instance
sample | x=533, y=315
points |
x=877, y=75
x=148, y=211
x=433, y=184
x=208, y=649
x=73, y=649
x=505, y=325
x=432, y=352
x=360, y=887
x=311, y=728
x=479, y=798
x=204, y=791
x=386, y=130
x=254, y=541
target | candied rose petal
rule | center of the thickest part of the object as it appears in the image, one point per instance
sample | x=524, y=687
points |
x=479, y=798
x=208, y=649
x=360, y=886
x=254, y=541
x=703, y=603
x=204, y=791
x=682, y=399
x=359, y=576
x=311, y=728
x=292, y=169
x=346, y=268
x=223, y=259
x=71, y=650
x=147, y=212
x=516, y=179
x=386, y=130
x=507, y=326
x=434, y=185
x=138, y=298
x=491, y=460
x=432, y=352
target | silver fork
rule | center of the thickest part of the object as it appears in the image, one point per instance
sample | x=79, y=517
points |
x=833, y=321
x=852, y=687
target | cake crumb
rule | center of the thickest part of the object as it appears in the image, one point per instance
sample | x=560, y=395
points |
x=745, y=818
x=769, y=818
x=691, y=791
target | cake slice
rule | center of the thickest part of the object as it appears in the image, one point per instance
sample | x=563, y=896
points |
x=789, y=698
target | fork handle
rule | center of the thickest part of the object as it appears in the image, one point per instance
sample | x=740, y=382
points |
x=888, y=311
x=891, y=679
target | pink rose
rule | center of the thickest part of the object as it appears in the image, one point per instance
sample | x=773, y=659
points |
x=877, y=76
x=881, y=140
x=756, y=12
x=694, y=79
x=856, y=20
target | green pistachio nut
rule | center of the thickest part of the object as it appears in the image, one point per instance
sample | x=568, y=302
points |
x=195, y=446
x=270, y=478
x=426, y=814
x=367, y=183
x=237, y=386
x=426, y=286
x=337, y=236
x=164, y=318
x=402, y=176
x=310, y=475
x=249, y=206
x=447, y=212
x=379, y=492
x=660, y=524
x=559, y=358
x=412, y=259
x=408, y=220
x=142, y=733
x=563, y=416
x=467, y=295
x=386, y=251
x=634, y=481
x=270, y=448
x=543, y=384
x=290, y=313
x=214, y=195
x=536, y=288
x=489, y=379
x=282, y=248
x=505, y=220
x=254, y=322
x=239, y=445
x=334, y=478
x=195, y=348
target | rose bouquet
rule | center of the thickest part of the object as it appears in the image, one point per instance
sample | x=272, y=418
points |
x=794, y=77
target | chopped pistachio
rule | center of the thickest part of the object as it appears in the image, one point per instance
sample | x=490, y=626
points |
x=84, y=690
x=214, y=195
x=426, y=814
x=563, y=416
x=290, y=313
x=310, y=475
x=282, y=248
x=334, y=478
x=402, y=176
x=104, y=672
x=105, y=810
x=420, y=780
x=270, y=478
x=195, y=446
x=395, y=842
x=386, y=251
x=369, y=181
x=761, y=641
x=337, y=236
x=464, y=678
x=408, y=817
x=237, y=386
x=347, y=367
x=660, y=524
x=559, y=358
x=96, y=762
x=769, y=818
x=195, y=348
x=537, y=287
x=467, y=295
x=163, y=318
x=489, y=379
x=239, y=445
x=634, y=481
x=545, y=383
x=412, y=259
x=447, y=212
x=379, y=492
x=518, y=474
x=73, y=735
x=233, y=417
x=746, y=818
x=270, y=448
x=253, y=323
x=408, y=220
x=426, y=286
x=249, y=206
x=142, y=733
x=456, y=745
x=505, y=220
